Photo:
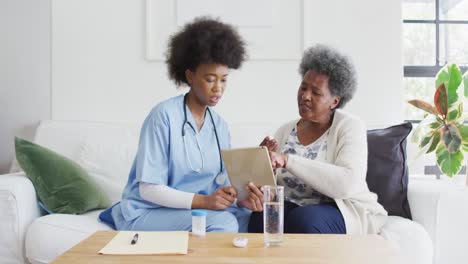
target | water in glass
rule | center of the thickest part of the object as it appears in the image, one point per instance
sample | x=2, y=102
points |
x=273, y=218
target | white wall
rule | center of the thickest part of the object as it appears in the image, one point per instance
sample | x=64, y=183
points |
x=24, y=71
x=371, y=33
x=100, y=72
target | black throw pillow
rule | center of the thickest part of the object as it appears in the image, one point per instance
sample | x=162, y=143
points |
x=387, y=170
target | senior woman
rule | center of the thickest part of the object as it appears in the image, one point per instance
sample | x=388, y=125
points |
x=321, y=158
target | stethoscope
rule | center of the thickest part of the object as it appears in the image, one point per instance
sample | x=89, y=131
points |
x=220, y=178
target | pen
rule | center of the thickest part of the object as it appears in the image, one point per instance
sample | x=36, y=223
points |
x=135, y=239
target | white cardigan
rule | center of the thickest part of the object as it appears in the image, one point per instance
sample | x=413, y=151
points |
x=343, y=175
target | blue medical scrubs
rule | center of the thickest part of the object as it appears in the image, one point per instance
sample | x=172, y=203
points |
x=163, y=158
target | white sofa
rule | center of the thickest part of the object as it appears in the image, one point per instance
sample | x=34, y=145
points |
x=438, y=234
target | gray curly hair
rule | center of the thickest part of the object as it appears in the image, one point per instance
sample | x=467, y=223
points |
x=339, y=69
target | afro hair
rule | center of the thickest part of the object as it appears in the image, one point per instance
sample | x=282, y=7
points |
x=205, y=40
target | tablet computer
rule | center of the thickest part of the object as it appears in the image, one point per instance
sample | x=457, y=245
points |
x=244, y=165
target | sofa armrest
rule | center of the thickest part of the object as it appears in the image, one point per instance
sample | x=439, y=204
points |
x=441, y=207
x=18, y=207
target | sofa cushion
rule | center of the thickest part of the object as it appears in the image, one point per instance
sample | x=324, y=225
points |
x=107, y=162
x=409, y=238
x=62, y=232
x=61, y=184
x=387, y=172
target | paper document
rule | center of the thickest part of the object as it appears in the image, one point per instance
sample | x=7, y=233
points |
x=147, y=243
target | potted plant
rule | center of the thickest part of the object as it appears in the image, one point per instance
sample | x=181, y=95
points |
x=443, y=130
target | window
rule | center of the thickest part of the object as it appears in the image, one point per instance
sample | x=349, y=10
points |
x=435, y=32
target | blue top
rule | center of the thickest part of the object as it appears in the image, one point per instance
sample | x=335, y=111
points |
x=162, y=159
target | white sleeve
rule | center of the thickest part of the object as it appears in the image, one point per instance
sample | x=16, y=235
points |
x=347, y=175
x=166, y=196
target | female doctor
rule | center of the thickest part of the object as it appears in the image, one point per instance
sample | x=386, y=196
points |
x=178, y=165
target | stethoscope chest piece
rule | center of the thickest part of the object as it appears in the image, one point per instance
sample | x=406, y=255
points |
x=220, y=179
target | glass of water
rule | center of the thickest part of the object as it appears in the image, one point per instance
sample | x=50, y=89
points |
x=273, y=218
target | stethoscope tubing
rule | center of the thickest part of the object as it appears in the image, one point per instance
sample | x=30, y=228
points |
x=199, y=147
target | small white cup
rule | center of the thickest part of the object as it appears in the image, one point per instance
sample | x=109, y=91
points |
x=198, y=222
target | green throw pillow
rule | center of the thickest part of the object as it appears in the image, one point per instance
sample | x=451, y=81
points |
x=61, y=184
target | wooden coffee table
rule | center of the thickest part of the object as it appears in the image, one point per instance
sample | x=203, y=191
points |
x=218, y=248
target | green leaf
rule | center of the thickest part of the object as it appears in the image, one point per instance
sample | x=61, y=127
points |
x=451, y=76
x=435, y=125
x=465, y=83
x=424, y=106
x=442, y=76
x=451, y=138
x=422, y=129
x=449, y=163
x=435, y=142
x=454, y=82
x=425, y=141
x=455, y=112
x=465, y=147
x=440, y=100
x=463, y=129
x=453, y=115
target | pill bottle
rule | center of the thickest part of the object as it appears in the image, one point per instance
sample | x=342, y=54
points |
x=198, y=222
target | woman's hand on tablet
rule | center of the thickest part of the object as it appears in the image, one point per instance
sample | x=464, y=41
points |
x=255, y=200
x=278, y=160
x=221, y=199
x=270, y=143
